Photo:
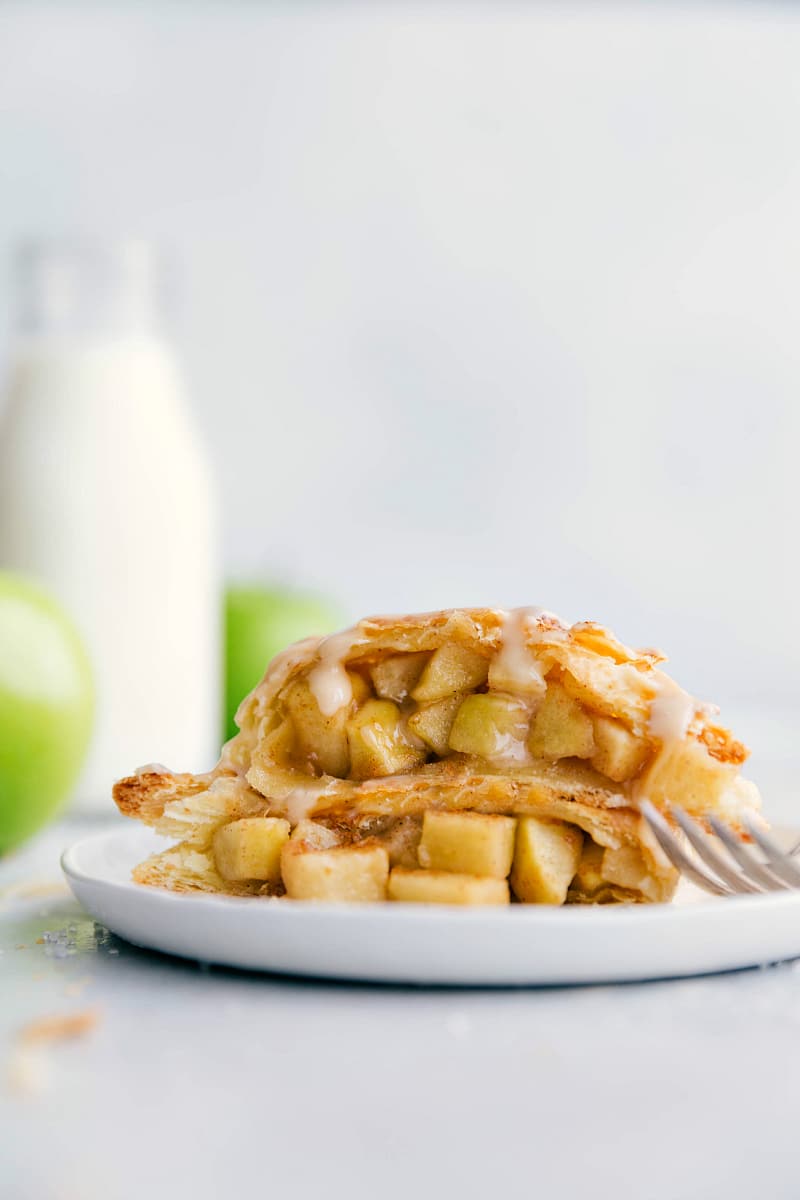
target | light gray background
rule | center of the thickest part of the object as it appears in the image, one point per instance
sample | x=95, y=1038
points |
x=483, y=302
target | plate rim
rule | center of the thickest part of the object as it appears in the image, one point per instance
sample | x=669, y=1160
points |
x=426, y=944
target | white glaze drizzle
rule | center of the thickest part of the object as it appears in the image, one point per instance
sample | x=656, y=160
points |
x=510, y=752
x=329, y=682
x=671, y=711
x=534, y=613
x=515, y=661
x=515, y=665
x=302, y=800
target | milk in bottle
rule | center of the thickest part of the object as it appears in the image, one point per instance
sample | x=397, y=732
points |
x=106, y=497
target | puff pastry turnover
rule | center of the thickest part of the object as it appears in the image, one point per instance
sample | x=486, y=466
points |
x=470, y=756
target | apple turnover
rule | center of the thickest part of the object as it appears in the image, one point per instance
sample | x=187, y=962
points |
x=471, y=756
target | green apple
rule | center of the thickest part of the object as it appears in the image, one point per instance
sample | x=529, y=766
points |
x=259, y=622
x=46, y=706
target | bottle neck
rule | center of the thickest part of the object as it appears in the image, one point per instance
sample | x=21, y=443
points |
x=91, y=293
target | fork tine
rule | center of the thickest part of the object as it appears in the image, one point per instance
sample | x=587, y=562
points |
x=711, y=857
x=754, y=870
x=674, y=852
x=779, y=862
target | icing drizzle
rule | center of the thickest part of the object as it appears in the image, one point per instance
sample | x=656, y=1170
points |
x=516, y=665
x=329, y=682
x=515, y=661
x=302, y=800
x=671, y=711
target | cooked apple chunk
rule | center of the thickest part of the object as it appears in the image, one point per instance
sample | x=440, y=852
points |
x=279, y=745
x=561, y=728
x=323, y=740
x=443, y=887
x=394, y=677
x=625, y=867
x=378, y=743
x=433, y=722
x=452, y=668
x=251, y=849
x=545, y=860
x=490, y=726
x=589, y=875
x=618, y=753
x=686, y=769
x=467, y=843
x=343, y=873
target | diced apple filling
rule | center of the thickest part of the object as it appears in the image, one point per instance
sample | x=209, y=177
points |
x=545, y=860
x=464, y=858
x=490, y=726
x=345, y=873
x=378, y=744
x=467, y=843
x=625, y=867
x=443, y=887
x=618, y=753
x=250, y=849
x=323, y=739
x=561, y=727
x=452, y=668
x=433, y=722
x=686, y=769
x=589, y=874
x=426, y=702
x=395, y=677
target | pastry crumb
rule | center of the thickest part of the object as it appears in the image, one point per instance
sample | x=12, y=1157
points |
x=59, y=1027
x=29, y=1065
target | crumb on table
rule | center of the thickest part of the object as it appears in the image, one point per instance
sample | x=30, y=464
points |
x=28, y=1070
x=59, y=1027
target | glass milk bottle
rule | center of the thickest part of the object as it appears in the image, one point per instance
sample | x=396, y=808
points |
x=106, y=497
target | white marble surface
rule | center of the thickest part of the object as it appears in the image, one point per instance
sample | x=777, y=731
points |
x=203, y=1082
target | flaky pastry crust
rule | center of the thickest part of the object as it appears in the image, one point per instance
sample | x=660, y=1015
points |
x=681, y=740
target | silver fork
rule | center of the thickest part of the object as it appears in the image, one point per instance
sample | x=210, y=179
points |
x=724, y=865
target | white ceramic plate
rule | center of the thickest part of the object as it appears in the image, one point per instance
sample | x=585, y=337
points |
x=422, y=944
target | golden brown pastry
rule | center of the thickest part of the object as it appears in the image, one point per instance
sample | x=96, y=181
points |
x=469, y=756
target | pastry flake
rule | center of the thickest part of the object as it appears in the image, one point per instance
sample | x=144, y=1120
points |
x=469, y=756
